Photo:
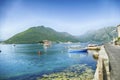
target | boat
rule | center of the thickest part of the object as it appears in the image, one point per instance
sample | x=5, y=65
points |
x=93, y=47
x=76, y=49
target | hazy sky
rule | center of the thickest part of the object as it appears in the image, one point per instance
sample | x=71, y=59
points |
x=72, y=16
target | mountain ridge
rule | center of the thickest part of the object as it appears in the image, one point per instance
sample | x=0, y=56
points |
x=39, y=33
x=101, y=35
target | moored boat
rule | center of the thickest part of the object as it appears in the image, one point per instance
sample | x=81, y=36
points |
x=93, y=47
x=76, y=49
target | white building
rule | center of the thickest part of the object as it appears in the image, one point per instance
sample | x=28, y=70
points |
x=118, y=30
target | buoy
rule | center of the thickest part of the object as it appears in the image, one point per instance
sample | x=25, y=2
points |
x=0, y=51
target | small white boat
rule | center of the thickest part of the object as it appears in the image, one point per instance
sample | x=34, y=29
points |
x=76, y=49
x=93, y=47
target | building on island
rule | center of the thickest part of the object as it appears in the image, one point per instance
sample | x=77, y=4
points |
x=46, y=42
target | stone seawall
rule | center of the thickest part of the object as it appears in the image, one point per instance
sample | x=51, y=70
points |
x=102, y=70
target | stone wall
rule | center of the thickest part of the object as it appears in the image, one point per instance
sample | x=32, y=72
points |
x=102, y=71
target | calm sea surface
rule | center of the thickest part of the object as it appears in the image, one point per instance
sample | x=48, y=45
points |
x=24, y=62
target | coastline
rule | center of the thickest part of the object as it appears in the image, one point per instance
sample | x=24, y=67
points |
x=102, y=71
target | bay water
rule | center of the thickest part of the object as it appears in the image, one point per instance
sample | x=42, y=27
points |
x=28, y=61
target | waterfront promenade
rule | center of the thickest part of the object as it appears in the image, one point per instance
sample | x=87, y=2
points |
x=114, y=57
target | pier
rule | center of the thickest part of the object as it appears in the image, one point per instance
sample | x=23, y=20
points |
x=108, y=65
x=113, y=52
x=102, y=71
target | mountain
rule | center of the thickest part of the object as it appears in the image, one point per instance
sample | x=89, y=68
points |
x=39, y=33
x=102, y=35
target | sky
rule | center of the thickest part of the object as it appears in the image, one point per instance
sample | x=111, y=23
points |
x=73, y=16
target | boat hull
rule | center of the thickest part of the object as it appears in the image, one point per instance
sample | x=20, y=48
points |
x=77, y=51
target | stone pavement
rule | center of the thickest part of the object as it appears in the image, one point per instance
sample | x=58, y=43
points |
x=114, y=57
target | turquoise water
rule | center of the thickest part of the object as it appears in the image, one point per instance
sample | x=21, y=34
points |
x=23, y=62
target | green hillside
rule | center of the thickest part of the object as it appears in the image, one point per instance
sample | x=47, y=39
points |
x=101, y=35
x=37, y=34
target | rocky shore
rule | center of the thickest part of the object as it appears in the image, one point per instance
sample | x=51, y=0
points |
x=75, y=72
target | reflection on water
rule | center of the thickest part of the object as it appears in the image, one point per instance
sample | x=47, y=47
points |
x=77, y=55
x=24, y=61
x=46, y=47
